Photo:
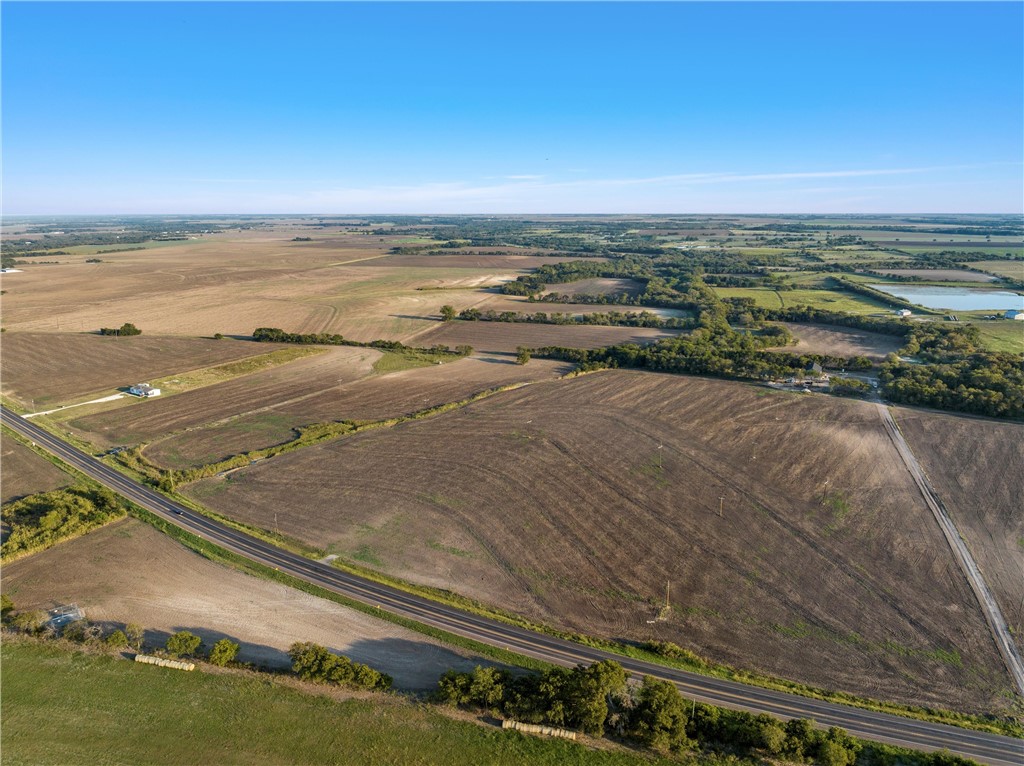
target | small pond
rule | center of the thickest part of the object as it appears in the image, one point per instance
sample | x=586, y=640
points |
x=955, y=298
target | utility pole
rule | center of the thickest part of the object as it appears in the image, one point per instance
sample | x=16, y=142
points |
x=659, y=455
x=668, y=586
x=721, y=500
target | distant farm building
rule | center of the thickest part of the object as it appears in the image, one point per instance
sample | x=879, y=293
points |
x=144, y=389
x=902, y=312
x=1014, y=314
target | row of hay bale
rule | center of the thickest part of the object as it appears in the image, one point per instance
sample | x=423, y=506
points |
x=532, y=728
x=164, y=663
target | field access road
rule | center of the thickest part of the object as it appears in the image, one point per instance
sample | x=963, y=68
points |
x=997, y=624
x=987, y=748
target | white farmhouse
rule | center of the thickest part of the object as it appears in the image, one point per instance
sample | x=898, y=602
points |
x=144, y=389
x=902, y=312
x=1014, y=314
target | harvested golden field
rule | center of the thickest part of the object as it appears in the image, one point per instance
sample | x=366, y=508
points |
x=792, y=538
x=233, y=283
x=497, y=337
x=41, y=369
x=129, y=572
x=224, y=402
x=840, y=341
x=374, y=398
x=976, y=467
x=23, y=472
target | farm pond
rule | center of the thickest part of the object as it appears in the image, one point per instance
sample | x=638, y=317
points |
x=955, y=298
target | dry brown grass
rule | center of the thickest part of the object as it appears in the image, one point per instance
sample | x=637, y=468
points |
x=977, y=468
x=49, y=368
x=23, y=472
x=840, y=341
x=596, y=287
x=574, y=502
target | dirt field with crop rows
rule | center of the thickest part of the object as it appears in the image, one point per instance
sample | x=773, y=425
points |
x=50, y=368
x=23, y=472
x=793, y=540
x=977, y=468
x=149, y=419
x=373, y=398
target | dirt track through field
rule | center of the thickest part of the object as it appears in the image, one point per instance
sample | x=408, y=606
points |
x=1000, y=631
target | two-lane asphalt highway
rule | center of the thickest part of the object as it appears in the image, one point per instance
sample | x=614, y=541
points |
x=986, y=748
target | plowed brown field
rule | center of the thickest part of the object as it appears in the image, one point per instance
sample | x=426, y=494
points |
x=976, y=467
x=373, y=398
x=792, y=538
x=49, y=368
x=23, y=472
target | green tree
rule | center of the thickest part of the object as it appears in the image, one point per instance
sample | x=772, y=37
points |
x=488, y=686
x=117, y=640
x=6, y=606
x=455, y=688
x=447, y=313
x=522, y=355
x=183, y=644
x=223, y=652
x=134, y=633
x=658, y=719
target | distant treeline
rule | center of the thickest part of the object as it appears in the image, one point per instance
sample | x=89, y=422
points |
x=276, y=335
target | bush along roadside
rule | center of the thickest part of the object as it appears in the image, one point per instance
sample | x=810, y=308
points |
x=653, y=714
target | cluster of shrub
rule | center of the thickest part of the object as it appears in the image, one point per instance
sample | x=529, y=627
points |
x=126, y=329
x=276, y=335
x=598, y=701
x=38, y=521
x=312, y=662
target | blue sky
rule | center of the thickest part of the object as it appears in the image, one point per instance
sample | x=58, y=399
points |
x=514, y=108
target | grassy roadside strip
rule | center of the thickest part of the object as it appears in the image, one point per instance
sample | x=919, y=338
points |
x=688, y=661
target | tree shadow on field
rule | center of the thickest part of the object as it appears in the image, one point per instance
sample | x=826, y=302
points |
x=429, y=317
x=415, y=666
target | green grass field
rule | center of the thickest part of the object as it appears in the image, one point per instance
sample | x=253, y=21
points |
x=63, y=707
x=830, y=300
x=1002, y=335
